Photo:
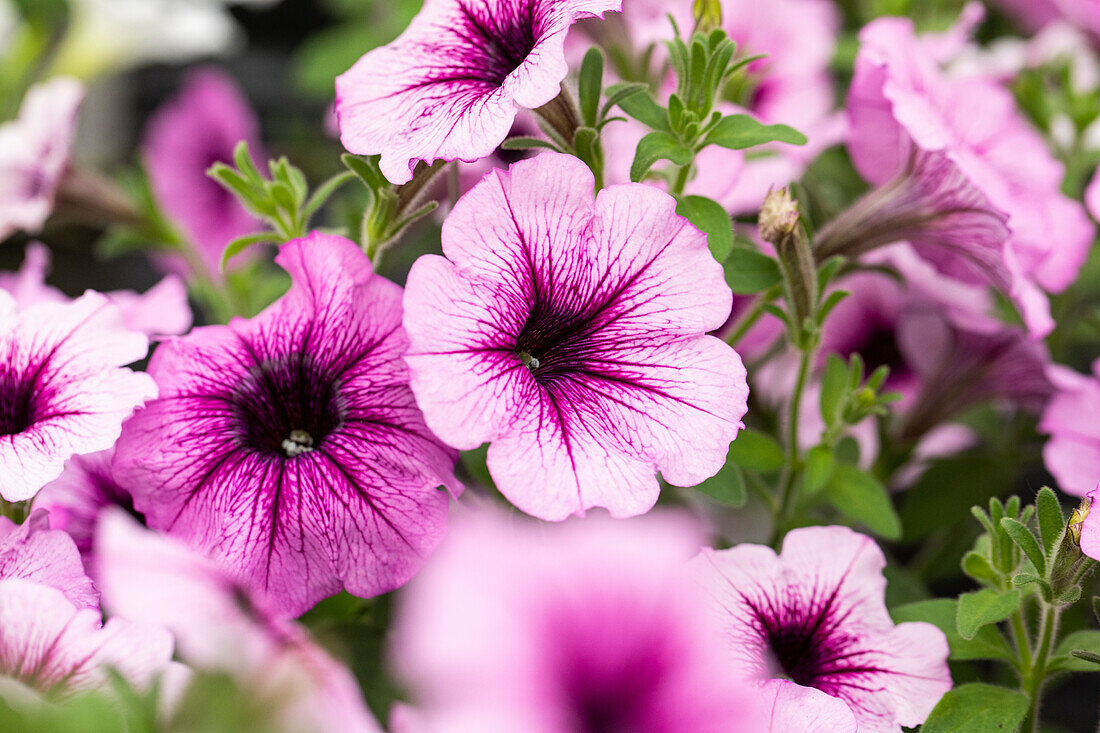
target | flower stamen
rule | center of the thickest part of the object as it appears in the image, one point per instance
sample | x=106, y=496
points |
x=299, y=442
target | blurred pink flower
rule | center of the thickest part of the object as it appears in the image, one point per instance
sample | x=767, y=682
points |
x=186, y=135
x=34, y=154
x=791, y=85
x=63, y=388
x=1092, y=196
x=35, y=552
x=1036, y=14
x=289, y=446
x=78, y=497
x=1072, y=454
x=903, y=108
x=450, y=85
x=56, y=649
x=219, y=625
x=571, y=335
x=584, y=626
x=162, y=310
x=815, y=617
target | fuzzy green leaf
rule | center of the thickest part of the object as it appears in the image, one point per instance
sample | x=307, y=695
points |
x=709, y=217
x=656, y=146
x=748, y=271
x=977, y=707
x=741, y=131
x=984, y=607
x=1051, y=521
x=1026, y=541
x=988, y=643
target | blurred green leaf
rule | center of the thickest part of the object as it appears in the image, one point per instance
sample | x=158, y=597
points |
x=756, y=451
x=589, y=85
x=859, y=496
x=820, y=464
x=748, y=271
x=726, y=486
x=987, y=643
x=1087, y=640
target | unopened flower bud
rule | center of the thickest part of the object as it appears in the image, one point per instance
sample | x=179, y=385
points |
x=1077, y=520
x=779, y=225
x=708, y=15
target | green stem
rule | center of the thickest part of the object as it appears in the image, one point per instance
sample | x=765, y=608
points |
x=681, y=179
x=788, y=494
x=1019, y=634
x=1035, y=675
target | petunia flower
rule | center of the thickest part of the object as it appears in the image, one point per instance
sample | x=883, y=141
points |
x=1092, y=196
x=33, y=551
x=906, y=113
x=583, y=626
x=77, y=499
x=63, y=388
x=815, y=617
x=56, y=649
x=1072, y=454
x=1036, y=14
x=219, y=625
x=34, y=154
x=571, y=335
x=450, y=85
x=162, y=310
x=289, y=446
x=186, y=135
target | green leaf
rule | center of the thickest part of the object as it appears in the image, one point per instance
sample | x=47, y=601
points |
x=367, y=169
x=834, y=384
x=988, y=643
x=726, y=486
x=639, y=105
x=1088, y=641
x=657, y=146
x=1051, y=521
x=589, y=84
x=820, y=464
x=708, y=216
x=859, y=496
x=847, y=450
x=978, y=567
x=1026, y=541
x=749, y=271
x=983, y=607
x=616, y=93
x=977, y=707
x=243, y=158
x=240, y=244
x=741, y=131
x=323, y=192
x=756, y=452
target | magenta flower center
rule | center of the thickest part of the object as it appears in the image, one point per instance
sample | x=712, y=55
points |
x=286, y=407
x=18, y=406
x=494, y=43
x=554, y=342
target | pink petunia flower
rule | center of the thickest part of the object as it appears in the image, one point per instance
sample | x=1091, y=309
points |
x=221, y=626
x=77, y=499
x=450, y=85
x=1089, y=537
x=63, y=388
x=1072, y=454
x=162, y=310
x=289, y=446
x=35, y=552
x=815, y=617
x=571, y=335
x=960, y=139
x=1036, y=14
x=582, y=626
x=791, y=85
x=56, y=649
x=186, y=135
x=34, y=154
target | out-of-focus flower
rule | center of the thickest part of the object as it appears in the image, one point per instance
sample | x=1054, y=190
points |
x=1036, y=14
x=1072, y=454
x=186, y=135
x=162, y=310
x=78, y=497
x=220, y=625
x=114, y=34
x=55, y=649
x=1092, y=196
x=815, y=617
x=571, y=335
x=583, y=626
x=791, y=85
x=63, y=388
x=34, y=154
x=289, y=446
x=907, y=114
x=450, y=85
x=35, y=552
